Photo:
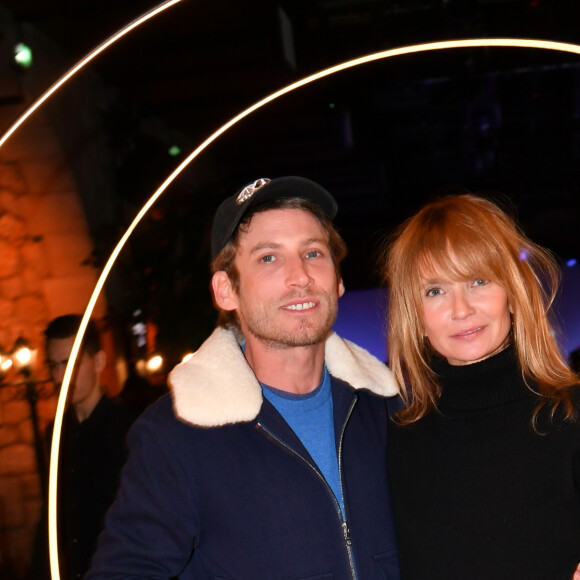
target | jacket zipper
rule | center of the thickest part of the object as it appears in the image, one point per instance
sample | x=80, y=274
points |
x=346, y=531
x=343, y=523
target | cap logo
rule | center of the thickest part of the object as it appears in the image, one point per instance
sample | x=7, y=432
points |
x=249, y=190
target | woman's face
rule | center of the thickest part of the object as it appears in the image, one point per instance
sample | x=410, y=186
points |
x=465, y=321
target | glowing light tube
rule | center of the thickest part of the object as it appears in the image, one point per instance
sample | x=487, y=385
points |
x=82, y=63
x=444, y=45
x=469, y=43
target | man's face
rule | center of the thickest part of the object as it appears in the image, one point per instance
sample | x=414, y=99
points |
x=288, y=287
x=86, y=374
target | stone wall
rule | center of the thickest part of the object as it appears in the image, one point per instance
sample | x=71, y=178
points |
x=44, y=246
x=45, y=263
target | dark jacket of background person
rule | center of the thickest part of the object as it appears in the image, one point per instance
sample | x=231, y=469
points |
x=239, y=497
x=91, y=457
x=504, y=499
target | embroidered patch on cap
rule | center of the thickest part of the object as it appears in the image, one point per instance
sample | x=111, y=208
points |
x=248, y=191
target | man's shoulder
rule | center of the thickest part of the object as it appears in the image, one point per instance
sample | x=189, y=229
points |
x=358, y=367
x=368, y=393
x=160, y=410
x=162, y=415
x=110, y=415
x=67, y=418
x=368, y=402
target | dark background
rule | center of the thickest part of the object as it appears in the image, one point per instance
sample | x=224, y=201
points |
x=383, y=138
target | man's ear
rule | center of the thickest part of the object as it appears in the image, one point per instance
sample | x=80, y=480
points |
x=223, y=292
x=100, y=360
x=340, y=288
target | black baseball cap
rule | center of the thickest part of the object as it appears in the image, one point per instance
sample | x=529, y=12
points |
x=232, y=209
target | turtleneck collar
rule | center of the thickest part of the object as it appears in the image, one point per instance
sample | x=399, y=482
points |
x=492, y=382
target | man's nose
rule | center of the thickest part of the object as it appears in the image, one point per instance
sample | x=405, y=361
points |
x=297, y=274
x=57, y=373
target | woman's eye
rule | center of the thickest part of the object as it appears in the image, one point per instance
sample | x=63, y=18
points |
x=480, y=282
x=434, y=292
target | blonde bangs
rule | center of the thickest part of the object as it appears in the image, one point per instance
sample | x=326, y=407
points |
x=458, y=254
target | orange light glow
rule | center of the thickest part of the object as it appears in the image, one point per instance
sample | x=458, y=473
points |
x=55, y=447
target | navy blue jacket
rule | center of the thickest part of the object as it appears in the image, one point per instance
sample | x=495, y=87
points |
x=244, y=500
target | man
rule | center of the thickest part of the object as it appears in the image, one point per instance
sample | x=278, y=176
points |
x=85, y=391
x=92, y=443
x=267, y=462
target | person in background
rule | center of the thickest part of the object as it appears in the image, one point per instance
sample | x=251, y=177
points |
x=92, y=449
x=484, y=450
x=267, y=459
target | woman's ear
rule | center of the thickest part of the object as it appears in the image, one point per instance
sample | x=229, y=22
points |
x=224, y=294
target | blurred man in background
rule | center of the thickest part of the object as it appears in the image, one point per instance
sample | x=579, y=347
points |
x=92, y=446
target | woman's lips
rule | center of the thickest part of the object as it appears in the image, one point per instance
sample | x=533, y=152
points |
x=468, y=333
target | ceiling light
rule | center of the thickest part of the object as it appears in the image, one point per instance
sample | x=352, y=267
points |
x=23, y=55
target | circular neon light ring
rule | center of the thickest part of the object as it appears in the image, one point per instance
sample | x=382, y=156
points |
x=432, y=46
x=84, y=62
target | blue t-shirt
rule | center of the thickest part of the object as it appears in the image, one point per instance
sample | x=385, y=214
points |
x=310, y=417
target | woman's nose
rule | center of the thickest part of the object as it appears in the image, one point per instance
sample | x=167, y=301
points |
x=461, y=307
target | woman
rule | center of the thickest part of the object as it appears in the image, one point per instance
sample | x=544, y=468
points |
x=484, y=452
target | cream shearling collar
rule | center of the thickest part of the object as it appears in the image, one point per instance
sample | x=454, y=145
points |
x=217, y=387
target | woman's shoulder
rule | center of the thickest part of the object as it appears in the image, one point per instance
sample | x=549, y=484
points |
x=574, y=391
x=562, y=416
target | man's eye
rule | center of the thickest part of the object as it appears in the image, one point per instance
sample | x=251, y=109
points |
x=268, y=258
x=313, y=254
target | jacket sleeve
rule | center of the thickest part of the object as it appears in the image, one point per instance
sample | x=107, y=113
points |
x=150, y=529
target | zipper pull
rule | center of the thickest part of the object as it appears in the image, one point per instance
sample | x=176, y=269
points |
x=346, y=533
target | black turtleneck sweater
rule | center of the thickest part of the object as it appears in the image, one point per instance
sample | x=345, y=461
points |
x=477, y=493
